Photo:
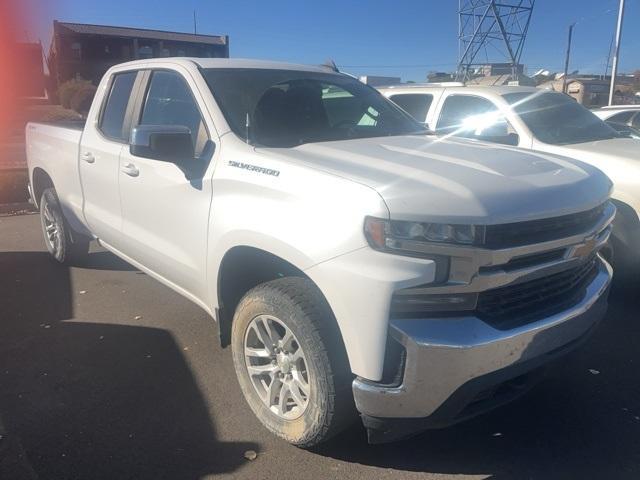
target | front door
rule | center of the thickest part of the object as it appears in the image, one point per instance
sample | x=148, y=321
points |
x=165, y=214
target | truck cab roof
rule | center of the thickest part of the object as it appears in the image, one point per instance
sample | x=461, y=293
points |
x=226, y=63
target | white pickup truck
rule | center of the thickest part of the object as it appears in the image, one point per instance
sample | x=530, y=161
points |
x=352, y=261
x=542, y=120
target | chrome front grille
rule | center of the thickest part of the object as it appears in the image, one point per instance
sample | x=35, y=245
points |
x=530, y=300
x=536, y=231
x=510, y=286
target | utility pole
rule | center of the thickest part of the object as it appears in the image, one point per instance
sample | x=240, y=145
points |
x=614, y=67
x=566, y=60
x=195, y=24
x=606, y=68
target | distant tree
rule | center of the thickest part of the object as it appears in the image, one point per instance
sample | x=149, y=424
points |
x=68, y=89
x=82, y=98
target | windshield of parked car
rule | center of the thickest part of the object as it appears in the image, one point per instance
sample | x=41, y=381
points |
x=557, y=119
x=285, y=108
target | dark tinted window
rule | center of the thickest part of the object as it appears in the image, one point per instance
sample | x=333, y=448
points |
x=114, y=111
x=415, y=104
x=169, y=102
x=557, y=119
x=624, y=130
x=457, y=109
x=622, y=117
x=286, y=108
x=636, y=121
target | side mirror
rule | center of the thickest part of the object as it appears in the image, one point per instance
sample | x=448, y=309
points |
x=168, y=143
x=511, y=139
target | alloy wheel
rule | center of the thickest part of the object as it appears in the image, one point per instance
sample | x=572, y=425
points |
x=277, y=366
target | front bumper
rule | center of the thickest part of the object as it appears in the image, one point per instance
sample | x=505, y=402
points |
x=451, y=361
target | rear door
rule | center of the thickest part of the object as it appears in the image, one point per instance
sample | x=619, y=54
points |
x=165, y=215
x=100, y=148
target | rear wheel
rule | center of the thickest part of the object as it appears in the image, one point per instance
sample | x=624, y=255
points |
x=65, y=245
x=290, y=362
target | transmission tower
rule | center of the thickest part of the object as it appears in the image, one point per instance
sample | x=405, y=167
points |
x=491, y=31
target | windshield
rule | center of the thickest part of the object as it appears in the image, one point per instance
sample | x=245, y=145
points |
x=285, y=108
x=557, y=119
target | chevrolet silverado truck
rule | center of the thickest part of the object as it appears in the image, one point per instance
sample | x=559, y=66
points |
x=542, y=120
x=353, y=262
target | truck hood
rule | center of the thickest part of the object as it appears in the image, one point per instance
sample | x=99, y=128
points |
x=620, y=148
x=619, y=158
x=458, y=181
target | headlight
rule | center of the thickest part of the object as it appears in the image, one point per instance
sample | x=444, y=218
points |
x=395, y=235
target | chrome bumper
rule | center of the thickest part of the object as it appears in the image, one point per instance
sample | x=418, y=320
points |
x=445, y=354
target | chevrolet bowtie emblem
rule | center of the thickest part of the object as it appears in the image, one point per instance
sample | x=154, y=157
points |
x=584, y=250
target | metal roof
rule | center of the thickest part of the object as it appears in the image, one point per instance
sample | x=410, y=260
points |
x=127, y=32
x=498, y=89
x=621, y=107
x=420, y=85
x=230, y=63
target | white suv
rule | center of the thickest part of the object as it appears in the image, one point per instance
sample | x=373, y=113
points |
x=536, y=119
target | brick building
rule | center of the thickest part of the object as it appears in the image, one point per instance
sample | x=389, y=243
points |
x=86, y=51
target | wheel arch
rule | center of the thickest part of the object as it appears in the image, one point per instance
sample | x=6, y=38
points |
x=40, y=181
x=244, y=267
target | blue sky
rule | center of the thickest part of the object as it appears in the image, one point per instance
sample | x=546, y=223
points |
x=400, y=38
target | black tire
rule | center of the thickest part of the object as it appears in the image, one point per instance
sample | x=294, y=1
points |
x=624, y=257
x=298, y=304
x=65, y=245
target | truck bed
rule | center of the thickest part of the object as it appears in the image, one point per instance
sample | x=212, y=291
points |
x=70, y=124
x=54, y=148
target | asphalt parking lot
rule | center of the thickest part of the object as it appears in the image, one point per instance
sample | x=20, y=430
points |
x=106, y=374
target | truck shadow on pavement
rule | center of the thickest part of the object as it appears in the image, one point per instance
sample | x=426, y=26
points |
x=106, y=261
x=81, y=400
x=582, y=421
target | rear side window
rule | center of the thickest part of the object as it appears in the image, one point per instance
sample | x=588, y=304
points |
x=115, y=110
x=622, y=117
x=415, y=104
x=636, y=121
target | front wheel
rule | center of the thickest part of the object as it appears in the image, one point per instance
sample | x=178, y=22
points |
x=62, y=243
x=290, y=361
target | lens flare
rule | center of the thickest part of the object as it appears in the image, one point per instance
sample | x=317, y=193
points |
x=11, y=29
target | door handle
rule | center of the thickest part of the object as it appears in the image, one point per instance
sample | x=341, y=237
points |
x=88, y=157
x=130, y=169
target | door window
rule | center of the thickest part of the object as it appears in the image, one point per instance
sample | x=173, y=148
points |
x=622, y=117
x=170, y=102
x=415, y=104
x=113, y=115
x=474, y=117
